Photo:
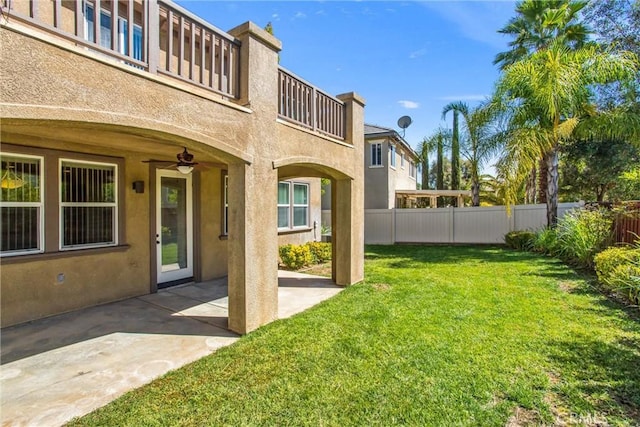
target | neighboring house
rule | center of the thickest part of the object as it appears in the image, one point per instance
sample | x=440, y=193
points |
x=390, y=165
x=100, y=198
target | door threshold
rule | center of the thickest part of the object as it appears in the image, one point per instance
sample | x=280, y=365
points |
x=174, y=283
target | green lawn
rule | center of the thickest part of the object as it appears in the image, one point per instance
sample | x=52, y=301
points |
x=435, y=336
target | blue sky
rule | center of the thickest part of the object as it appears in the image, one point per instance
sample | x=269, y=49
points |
x=404, y=57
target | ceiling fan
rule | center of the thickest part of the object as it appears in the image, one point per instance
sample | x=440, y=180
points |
x=184, y=165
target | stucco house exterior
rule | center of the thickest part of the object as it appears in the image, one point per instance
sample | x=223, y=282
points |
x=390, y=165
x=101, y=200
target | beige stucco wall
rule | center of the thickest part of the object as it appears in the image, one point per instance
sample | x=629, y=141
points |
x=376, y=177
x=58, y=95
x=399, y=178
x=30, y=286
x=213, y=245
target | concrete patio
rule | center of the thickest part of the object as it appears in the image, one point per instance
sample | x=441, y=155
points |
x=65, y=366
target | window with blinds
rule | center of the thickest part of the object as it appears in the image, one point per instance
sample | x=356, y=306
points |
x=22, y=204
x=88, y=204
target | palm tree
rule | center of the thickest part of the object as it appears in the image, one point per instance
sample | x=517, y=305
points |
x=548, y=95
x=428, y=145
x=481, y=139
x=455, y=150
x=438, y=141
x=537, y=24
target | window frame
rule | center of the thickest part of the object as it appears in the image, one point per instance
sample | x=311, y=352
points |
x=122, y=31
x=40, y=205
x=225, y=204
x=392, y=155
x=376, y=154
x=114, y=205
x=295, y=205
x=402, y=160
x=412, y=169
x=292, y=205
x=285, y=205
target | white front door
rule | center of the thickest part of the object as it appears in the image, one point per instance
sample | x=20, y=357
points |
x=174, y=230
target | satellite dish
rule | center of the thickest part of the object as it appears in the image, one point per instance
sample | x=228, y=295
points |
x=404, y=122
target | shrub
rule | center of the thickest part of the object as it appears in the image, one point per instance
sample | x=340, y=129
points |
x=320, y=251
x=521, y=240
x=546, y=241
x=582, y=234
x=294, y=257
x=619, y=270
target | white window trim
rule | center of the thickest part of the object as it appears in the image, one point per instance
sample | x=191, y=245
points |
x=225, y=202
x=40, y=204
x=392, y=155
x=371, y=163
x=412, y=170
x=285, y=205
x=402, y=160
x=294, y=205
x=291, y=205
x=62, y=205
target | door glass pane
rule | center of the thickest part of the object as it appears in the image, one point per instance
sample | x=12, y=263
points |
x=174, y=223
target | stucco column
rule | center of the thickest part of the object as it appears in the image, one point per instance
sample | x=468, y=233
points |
x=253, y=246
x=253, y=194
x=348, y=202
x=258, y=55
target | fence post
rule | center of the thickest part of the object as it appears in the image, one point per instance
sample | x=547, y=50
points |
x=393, y=226
x=452, y=221
x=512, y=217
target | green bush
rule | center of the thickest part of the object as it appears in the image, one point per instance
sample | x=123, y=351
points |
x=320, y=251
x=546, y=241
x=294, y=257
x=619, y=270
x=521, y=240
x=581, y=234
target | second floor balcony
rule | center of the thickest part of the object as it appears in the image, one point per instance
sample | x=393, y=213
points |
x=160, y=37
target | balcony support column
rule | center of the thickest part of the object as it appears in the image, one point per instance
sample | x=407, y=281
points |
x=347, y=205
x=253, y=246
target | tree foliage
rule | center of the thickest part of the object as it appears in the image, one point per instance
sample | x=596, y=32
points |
x=480, y=139
x=538, y=24
x=547, y=95
x=592, y=170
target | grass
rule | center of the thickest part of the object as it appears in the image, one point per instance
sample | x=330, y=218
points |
x=434, y=336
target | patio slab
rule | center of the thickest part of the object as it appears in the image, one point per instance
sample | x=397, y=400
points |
x=68, y=365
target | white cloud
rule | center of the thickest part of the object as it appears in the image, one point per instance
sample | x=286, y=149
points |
x=418, y=53
x=275, y=17
x=409, y=104
x=299, y=15
x=468, y=97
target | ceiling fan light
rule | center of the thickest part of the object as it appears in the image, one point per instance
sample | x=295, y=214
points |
x=184, y=169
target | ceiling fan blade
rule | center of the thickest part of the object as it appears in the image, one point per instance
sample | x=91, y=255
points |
x=159, y=161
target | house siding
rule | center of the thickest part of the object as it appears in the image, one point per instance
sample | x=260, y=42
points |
x=59, y=96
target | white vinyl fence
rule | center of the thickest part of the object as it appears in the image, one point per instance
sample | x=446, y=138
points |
x=453, y=225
